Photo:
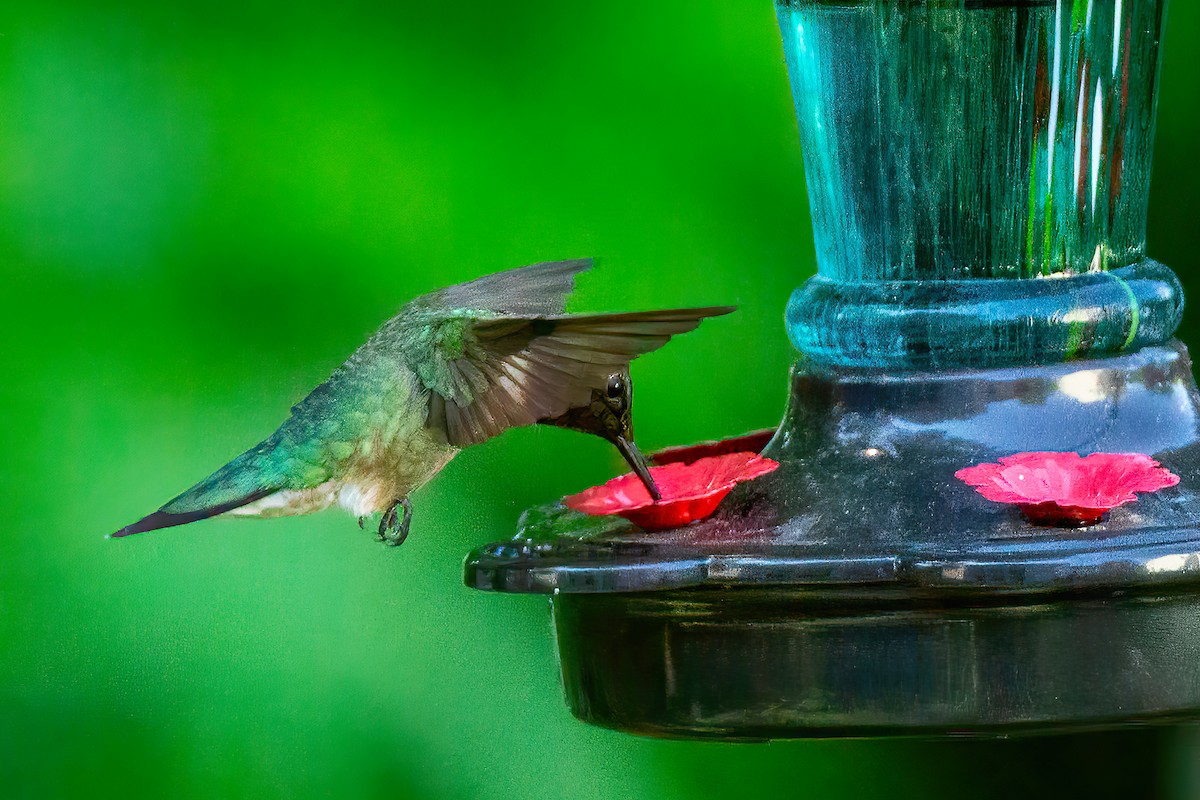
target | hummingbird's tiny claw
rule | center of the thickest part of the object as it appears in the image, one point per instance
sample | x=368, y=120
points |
x=393, y=529
x=386, y=522
x=362, y=522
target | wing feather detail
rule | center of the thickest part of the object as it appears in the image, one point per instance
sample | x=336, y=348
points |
x=515, y=371
x=536, y=290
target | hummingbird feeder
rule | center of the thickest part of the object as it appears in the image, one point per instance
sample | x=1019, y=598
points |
x=984, y=315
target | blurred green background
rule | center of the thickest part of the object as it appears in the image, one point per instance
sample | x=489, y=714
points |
x=205, y=207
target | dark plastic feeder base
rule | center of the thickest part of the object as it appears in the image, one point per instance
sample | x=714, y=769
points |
x=861, y=589
x=756, y=664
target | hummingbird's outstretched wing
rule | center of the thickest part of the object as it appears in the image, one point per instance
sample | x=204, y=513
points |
x=518, y=372
x=498, y=353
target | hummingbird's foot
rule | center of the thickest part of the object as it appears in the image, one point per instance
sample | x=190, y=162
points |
x=393, y=529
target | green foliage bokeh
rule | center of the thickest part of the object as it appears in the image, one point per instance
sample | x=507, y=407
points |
x=205, y=207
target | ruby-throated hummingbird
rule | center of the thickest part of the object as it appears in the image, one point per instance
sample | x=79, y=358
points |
x=452, y=369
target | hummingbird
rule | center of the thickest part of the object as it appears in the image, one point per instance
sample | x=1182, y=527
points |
x=453, y=368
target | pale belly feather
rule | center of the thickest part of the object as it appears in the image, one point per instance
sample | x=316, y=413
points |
x=378, y=473
x=389, y=473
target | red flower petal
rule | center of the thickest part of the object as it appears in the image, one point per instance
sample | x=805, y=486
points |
x=753, y=442
x=1081, y=489
x=689, y=491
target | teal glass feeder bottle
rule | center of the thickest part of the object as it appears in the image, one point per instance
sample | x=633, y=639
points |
x=955, y=148
x=978, y=182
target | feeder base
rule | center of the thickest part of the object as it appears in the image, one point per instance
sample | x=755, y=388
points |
x=756, y=664
x=861, y=589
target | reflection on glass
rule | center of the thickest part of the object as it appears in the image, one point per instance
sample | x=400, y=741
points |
x=961, y=138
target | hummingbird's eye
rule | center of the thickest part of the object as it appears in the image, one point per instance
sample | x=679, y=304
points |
x=616, y=387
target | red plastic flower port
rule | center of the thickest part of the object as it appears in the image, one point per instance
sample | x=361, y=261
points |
x=753, y=442
x=1064, y=489
x=689, y=492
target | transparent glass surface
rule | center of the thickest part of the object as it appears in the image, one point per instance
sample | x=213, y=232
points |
x=959, y=153
x=974, y=138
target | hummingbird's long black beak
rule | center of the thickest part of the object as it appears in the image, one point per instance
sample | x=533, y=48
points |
x=636, y=460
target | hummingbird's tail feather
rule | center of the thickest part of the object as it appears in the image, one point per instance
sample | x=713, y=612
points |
x=238, y=483
x=166, y=519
